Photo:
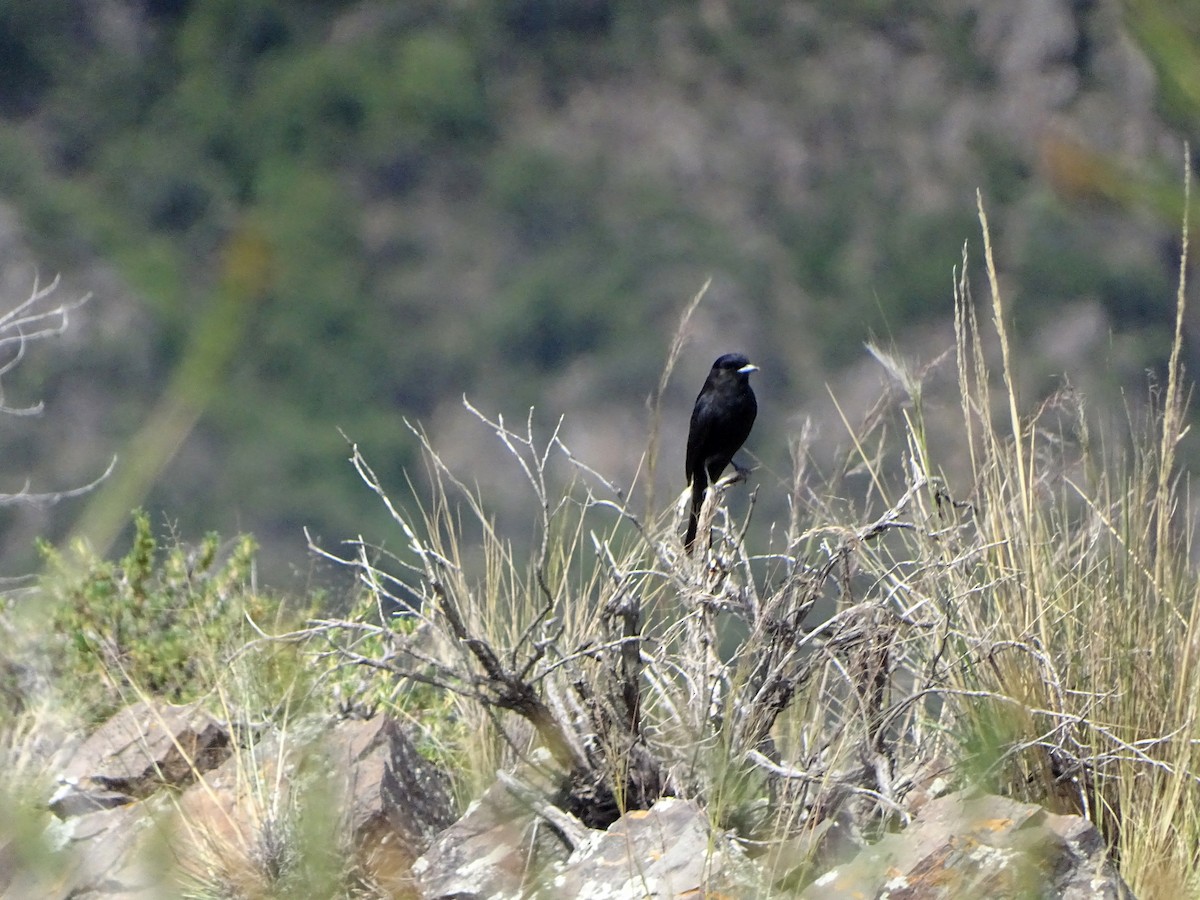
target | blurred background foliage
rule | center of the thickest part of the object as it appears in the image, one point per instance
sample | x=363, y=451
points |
x=513, y=200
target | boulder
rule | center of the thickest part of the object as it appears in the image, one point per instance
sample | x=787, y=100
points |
x=118, y=854
x=501, y=846
x=980, y=845
x=141, y=748
x=361, y=785
x=665, y=852
x=395, y=800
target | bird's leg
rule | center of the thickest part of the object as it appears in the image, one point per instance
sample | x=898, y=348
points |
x=737, y=476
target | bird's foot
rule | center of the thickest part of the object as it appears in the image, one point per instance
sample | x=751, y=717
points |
x=739, y=475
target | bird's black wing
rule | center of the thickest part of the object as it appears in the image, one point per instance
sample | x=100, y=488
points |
x=699, y=441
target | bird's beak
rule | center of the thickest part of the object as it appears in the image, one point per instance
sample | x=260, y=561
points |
x=747, y=369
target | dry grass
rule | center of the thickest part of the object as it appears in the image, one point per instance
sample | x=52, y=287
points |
x=1031, y=629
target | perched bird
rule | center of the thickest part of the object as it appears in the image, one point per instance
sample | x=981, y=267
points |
x=721, y=421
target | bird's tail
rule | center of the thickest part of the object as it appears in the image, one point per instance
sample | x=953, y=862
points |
x=698, y=487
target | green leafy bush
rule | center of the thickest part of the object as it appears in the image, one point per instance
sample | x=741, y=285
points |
x=438, y=88
x=308, y=107
x=162, y=621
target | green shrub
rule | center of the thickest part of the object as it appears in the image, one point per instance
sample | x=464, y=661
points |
x=161, y=621
x=438, y=87
x=307, y=107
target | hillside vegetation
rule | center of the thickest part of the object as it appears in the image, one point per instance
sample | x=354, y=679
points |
x=1029, y=629
x=299, y=218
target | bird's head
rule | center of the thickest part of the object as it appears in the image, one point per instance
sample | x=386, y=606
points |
x=733, y=364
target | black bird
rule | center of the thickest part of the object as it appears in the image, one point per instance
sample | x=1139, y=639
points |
x=721, y=421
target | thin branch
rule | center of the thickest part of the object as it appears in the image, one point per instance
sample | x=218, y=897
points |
x=27, y=497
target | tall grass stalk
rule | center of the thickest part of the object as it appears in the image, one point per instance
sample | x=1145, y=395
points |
x=1078, y=617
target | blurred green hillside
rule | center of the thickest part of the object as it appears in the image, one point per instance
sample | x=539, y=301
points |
x=301, y=217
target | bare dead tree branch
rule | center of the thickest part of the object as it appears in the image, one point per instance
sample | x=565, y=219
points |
x=38, y=317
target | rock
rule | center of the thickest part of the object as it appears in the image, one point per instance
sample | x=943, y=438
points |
x=73, y=799
x=499, y=848
x=664, y=852
x=141, y=748
x=361, y=785
x=966, y=845
x=106, y=838
x=502, y=847
x=395, y=800
x=414, y=794
x=116, y=854
x=227, y=818
x=792, y=861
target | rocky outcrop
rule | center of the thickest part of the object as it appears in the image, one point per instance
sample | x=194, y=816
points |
x=500, y=847
x=143, y=747
x=122, y=829
x=961, y=845
x=145, y=811
x=669, y=850
x=372, y=800
x=109, y=832
x=970, y=845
